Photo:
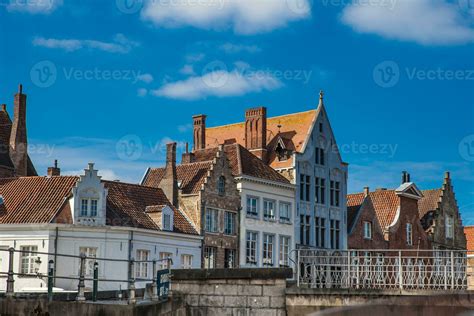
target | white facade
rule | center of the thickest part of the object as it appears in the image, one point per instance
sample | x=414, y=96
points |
x=103, y=242
x=266, y=238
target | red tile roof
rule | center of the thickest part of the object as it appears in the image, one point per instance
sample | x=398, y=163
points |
x=191, y=175
x=469, y=231
x=354, y=202
x=34, y=200
x=429, y=201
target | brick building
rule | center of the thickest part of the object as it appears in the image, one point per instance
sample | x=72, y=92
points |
x=14, y=159
x=440, y=217
x=387, y=219
x=302, y=147
x=207, y=193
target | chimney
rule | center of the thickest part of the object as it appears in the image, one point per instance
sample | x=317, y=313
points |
x=199, y=123
x=18, y=138
x=169, y=183
x=366, y=191
x=256, y=131
x=187, y=157
x=405, y=177
x=54, y=171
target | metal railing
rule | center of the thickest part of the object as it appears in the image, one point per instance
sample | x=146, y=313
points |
x=382, y=269
x=160, y=281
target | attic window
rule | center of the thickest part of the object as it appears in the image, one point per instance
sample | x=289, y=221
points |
x=282, y=153
x=166, y=222
x=221, y=185
x=320, y=127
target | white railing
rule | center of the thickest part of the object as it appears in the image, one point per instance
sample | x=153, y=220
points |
x=382, y=269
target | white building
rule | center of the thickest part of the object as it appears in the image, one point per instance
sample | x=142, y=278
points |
x=65, y=215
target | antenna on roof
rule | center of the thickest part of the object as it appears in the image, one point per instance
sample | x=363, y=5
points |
x=321, y=98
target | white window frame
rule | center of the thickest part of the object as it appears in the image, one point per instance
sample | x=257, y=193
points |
x=268, y=251
x=284, y=251
x=449, y=227
x=89, y=264
x=251, y=248
x=186, y=261
x=84, y=207
x=93, y=207
x=409, y=234
x=28, y=258
x=167, y=222
x=285, y=207
x=210, y=257
x=212, y=220
x=252, y=208
x=163, y=262
x=230, y=219
x=269, y=212
x=367, y=230
x=141, y=268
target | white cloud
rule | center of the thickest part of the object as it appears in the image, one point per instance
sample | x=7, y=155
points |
x=187, y=70
x=34, y=6
x=120, y=44
x=219, y=83
x=142, y=92
x=231, y=48
x=428, y=22
x=192, y=58
x=185, y=128
x=147, y=78
x=243, y=16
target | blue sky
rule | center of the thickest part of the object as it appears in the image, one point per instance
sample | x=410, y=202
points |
x=398, y=76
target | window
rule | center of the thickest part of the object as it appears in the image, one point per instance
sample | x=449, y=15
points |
x=252, y=206
x=284, y=251
x=305, y=185
x=186, y=261
x=304, y=229
x=210, y=257
x=449, y=227
x=251, y=248
x=229, y=223
x=211, y=220
x=91, y=253
x=319, y=156
x=320, y=187
x=409, y=234
x=84, y=207
x=27, y=259
x=221, y=185
x=335, y=193
x=94, y=207
x=320, y=232
x=164, y=262
x=320, y=127
x=141, y=268
x=229, y=258
x=335, y=231
x=268, y=209
x=167, y=222
x=268, y=241
x=367, y=230
x=285, y=212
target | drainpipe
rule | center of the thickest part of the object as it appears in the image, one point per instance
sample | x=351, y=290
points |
x=130, y=247
x=56, y=237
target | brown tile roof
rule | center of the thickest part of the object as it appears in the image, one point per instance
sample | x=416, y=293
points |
x=294, y=130
x=191, y=175
x=429, y=202
x=34, y=200
x=469, y=231
x=243, y=162
x=354, y=202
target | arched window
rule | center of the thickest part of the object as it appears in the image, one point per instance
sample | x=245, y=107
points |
x=221, y=185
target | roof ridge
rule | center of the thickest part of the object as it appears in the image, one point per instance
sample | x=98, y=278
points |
x=126, y=183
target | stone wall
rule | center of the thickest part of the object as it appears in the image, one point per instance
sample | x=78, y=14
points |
x=232, y=291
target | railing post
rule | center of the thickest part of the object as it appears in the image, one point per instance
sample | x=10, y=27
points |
x=349, y=281
x=95, y=283
x=80, y=288
x=131, y=283
x=50, y=280
x=10, y=279
x=400, y=269
x=154, y=284
x=298, y=268
x=452, y=270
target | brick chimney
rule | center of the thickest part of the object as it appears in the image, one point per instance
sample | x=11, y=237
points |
x=199, y=123
x=169, y=183
x=18, y=138
x=405, y=177
x=54, y=171
x=187, y=157
x=256, y=132
x=366, y=191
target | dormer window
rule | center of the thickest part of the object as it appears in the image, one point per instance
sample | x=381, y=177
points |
x=221, y=185
x=84, y=207
x=89, y=207
x=93, y=207
x=166, y=222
